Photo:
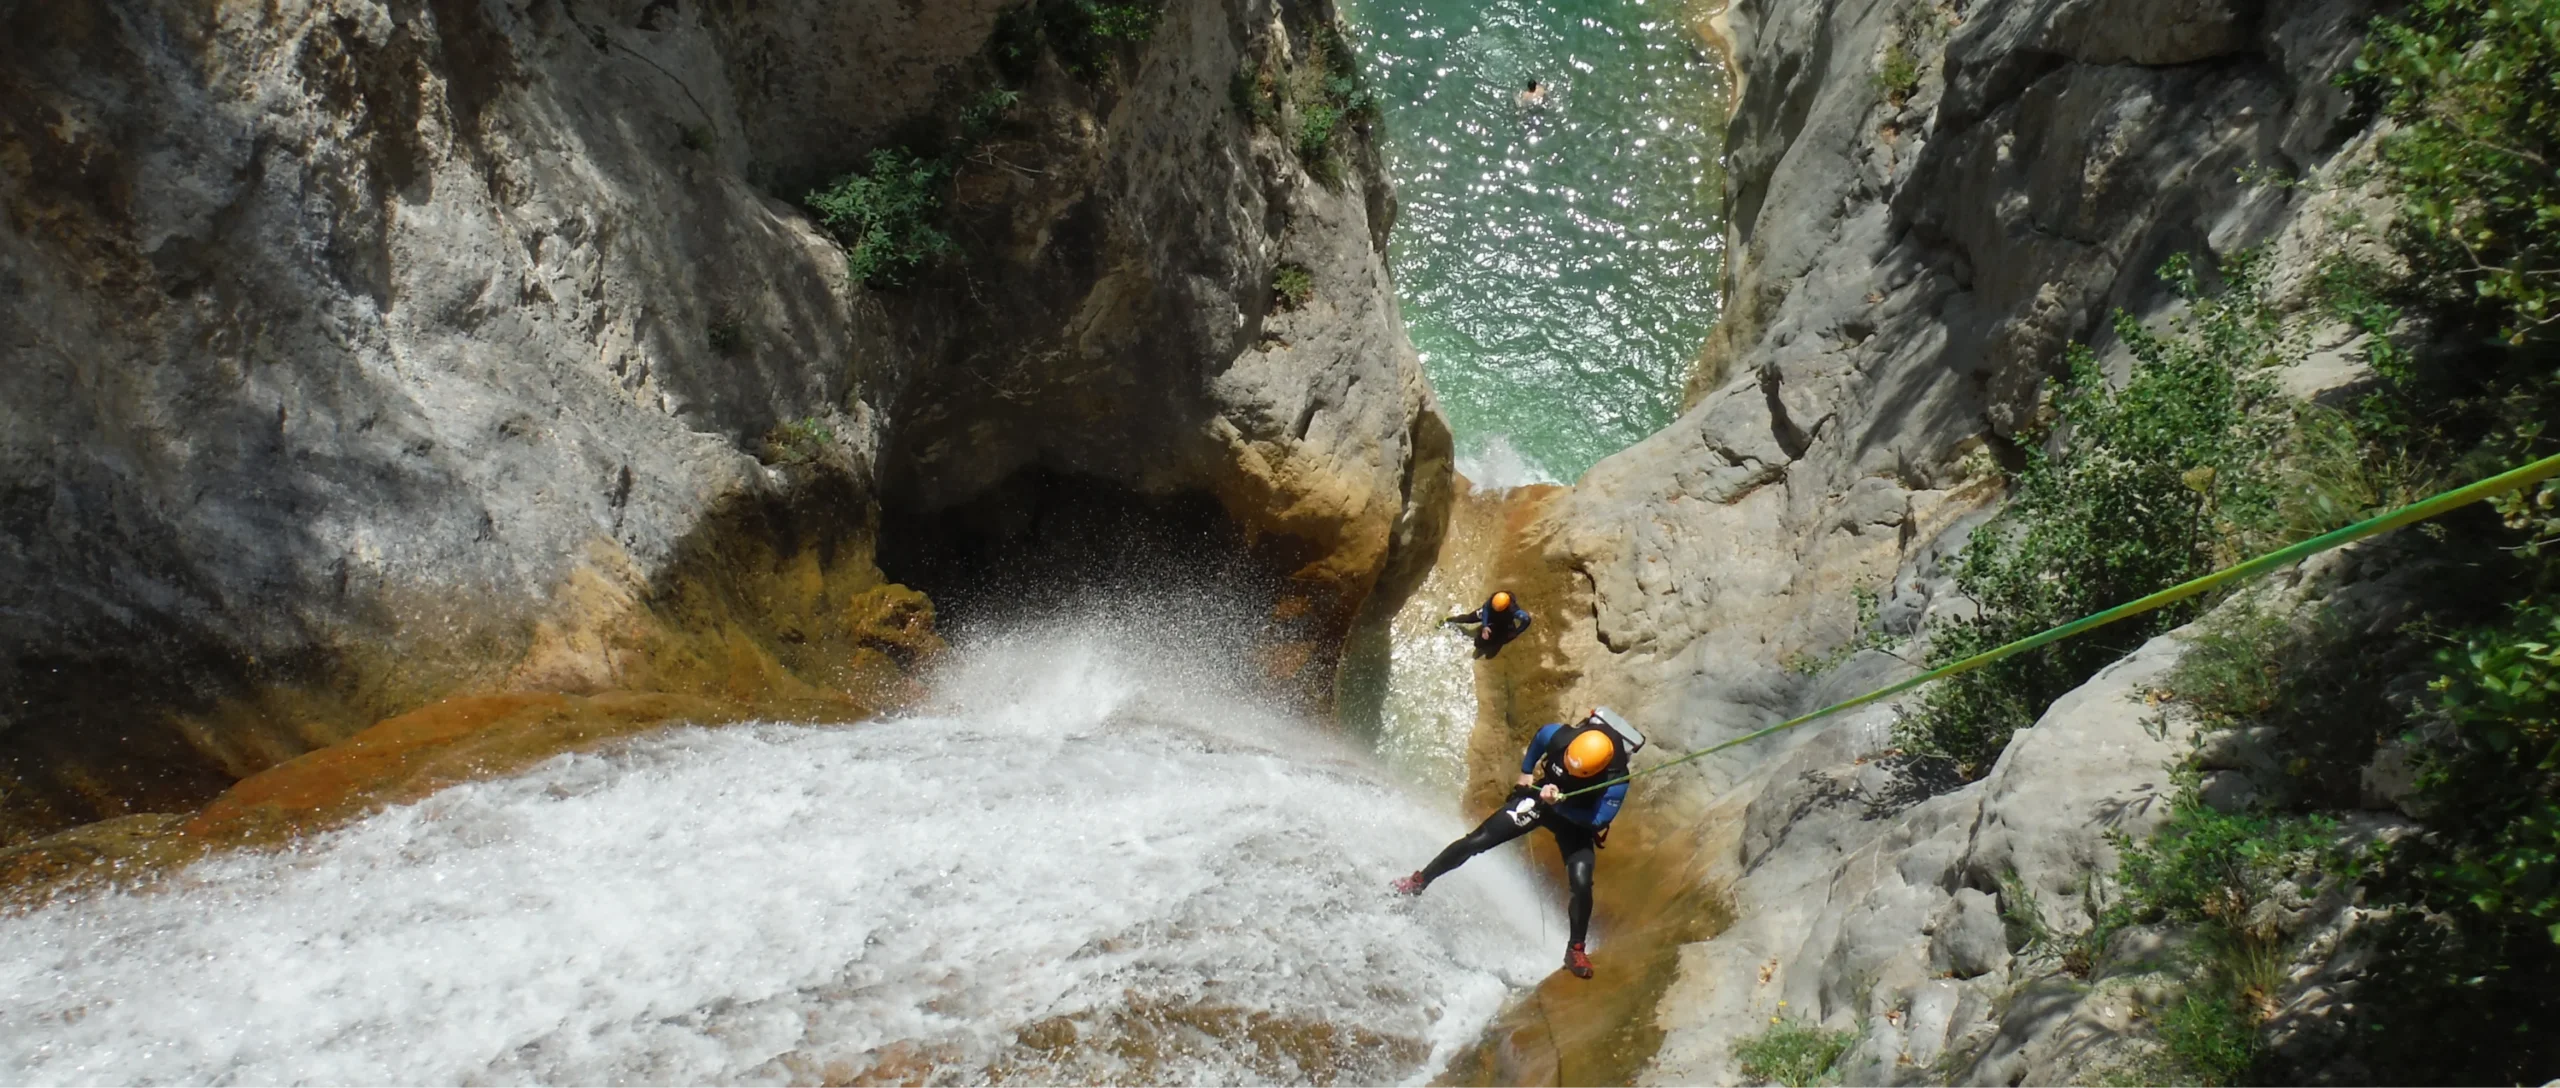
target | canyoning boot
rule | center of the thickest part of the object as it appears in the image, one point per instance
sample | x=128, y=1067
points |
x=1411, y=885
x=1576, y=962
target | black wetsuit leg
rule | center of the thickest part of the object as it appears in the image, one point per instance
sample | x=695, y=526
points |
x=1580, y=851
x=1494, y=831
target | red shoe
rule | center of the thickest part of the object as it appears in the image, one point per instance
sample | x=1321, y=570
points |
x=1576, y=962
x=1411, y=885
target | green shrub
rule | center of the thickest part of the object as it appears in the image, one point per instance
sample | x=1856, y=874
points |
x=1325, y=95
x=2151, y=485
x=798, y=442
x=1255, y=94
x=2472, y=83
x=1292, y=285
x=884, y=215
x=1792, y=1052
x=1087, y=35
x=2489, y=778
x=988, y=110
x=2207, y=1041
x=1899, y=76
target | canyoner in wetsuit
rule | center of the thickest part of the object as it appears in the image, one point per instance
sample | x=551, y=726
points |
x=1560, y=759
x=1497, y=623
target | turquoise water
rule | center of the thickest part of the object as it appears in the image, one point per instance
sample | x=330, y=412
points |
x=1556, y=263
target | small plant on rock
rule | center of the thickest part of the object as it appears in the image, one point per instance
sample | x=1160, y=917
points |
x=1792, y=1052
x=1899, y=75
x=885, y=217
x=1292, y=285
x=798, y=442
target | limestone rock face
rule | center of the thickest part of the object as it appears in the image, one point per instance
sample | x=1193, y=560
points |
x=1901, y=914
x=1906, y=265
x=356, y=354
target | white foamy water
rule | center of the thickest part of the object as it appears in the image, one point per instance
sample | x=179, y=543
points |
x=1493, y=463
x=1072, y=867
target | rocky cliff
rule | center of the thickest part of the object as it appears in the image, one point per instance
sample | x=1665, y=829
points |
x=1928, y=202
x=358, y=355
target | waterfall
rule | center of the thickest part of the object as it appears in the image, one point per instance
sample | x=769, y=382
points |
x=1090, y=856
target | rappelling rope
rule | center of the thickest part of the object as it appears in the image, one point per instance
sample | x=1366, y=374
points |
x=2414, y=512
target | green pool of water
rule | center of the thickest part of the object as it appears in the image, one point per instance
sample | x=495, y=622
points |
x=1556, y=262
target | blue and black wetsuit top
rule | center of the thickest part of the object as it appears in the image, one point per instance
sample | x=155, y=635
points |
x=1506, y=623
x=1545, y=758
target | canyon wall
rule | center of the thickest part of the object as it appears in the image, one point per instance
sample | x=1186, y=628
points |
x=357, y=355
x=1909, y=255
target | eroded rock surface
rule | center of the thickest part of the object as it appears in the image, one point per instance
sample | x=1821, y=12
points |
x=360, y=354
x=1907, y=264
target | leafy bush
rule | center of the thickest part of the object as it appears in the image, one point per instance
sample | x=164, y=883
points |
x=1292, y=285
x=1087, y=35
x=1325, y=95
x=2214, y=870
x=2472, y=83
x=1899, y=76
x=798, y=442
x=2489, y=777
x=884, y=215
x=1792, y=1052
x=2147, y=486
x=1255, y=94
x=983, y=113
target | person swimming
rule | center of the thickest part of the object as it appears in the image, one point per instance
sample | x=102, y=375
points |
x=1534, y=95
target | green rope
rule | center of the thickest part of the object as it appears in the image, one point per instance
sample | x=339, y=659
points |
x=2419, y=511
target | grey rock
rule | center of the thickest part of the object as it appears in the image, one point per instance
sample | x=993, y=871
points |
x=2227, y=791
x=1967, y=937
x=2390, y=780
x=355, y=355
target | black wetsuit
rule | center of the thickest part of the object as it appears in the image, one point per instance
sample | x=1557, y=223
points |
x=1500, y=625
x=1576, y=824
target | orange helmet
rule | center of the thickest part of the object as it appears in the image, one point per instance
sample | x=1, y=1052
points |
x=1502, y=600
x=1589, y=754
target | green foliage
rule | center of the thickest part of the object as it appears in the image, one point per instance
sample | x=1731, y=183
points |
x=1325, y=96
x=798, y=442
x=885, y=217
x=2208, y=866
x=2475, y=85
x=1292, y=285
x=984, y=113
x=2208, y=1041
x=2150, y=485
x=2489, y=776
x=1087, y=35
x=1792, y=1052
x=2213, y=870
x=1899, y=75
x=1255, y=93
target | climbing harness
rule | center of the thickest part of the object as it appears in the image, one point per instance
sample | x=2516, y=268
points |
x=2415, y=512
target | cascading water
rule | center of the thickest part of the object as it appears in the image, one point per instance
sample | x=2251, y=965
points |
x=1091, y=857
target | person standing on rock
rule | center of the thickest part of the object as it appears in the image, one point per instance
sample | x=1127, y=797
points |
x=1497, y=623
x=1561, y=759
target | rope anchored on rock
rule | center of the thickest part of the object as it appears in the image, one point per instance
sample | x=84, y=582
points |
x=2422, y=510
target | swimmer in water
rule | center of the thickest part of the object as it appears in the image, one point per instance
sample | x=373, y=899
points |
x=1535, y=95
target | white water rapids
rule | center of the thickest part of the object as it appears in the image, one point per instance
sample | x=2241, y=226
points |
x=1081, y=861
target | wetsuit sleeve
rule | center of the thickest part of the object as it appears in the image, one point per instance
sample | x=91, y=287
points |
x=1610, y=799
x=1476, y=616
x=1537, y=745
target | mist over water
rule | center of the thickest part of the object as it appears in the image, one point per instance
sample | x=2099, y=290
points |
x=1091, y=858
x=1556, y=264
